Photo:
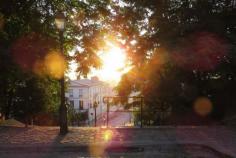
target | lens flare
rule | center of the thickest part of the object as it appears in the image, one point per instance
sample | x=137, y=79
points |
x=39, y=68
x=31, y=48
x=114, y=64
x=107, y=135
x=97, y=150
x=55, y=65
x=201, y=51
x=203, y=106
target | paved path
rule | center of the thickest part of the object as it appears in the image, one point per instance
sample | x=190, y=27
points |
x=116, y=119
x=217, y=139
x=120, y=120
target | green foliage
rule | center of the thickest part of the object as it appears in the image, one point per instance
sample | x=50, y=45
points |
x=183, y=50
x=179, y=50
x=28, y=34
x=24, y=94
x=74, y=117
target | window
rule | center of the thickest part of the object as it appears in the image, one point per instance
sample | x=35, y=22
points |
x=72, y=103
x=80, y=93
x=81, y=105
x=70, y=92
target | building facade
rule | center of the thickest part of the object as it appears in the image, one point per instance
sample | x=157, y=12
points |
x=83, y=94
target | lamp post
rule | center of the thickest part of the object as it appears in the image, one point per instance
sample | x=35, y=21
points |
x=95, y=105
x=60, y=24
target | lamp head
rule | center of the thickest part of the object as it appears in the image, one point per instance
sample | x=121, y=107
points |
x=60, y=21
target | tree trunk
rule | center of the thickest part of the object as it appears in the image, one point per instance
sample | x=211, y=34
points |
x=26, y=123
x=9, y=105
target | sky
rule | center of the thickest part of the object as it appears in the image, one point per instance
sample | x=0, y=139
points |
x=114, y=65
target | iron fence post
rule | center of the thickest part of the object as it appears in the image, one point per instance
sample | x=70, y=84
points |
x=141, y=112
x=107, y=113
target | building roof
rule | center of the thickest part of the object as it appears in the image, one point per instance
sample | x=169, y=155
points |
x=86, y=82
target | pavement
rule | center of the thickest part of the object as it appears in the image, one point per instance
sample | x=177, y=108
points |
x=116, y=119
x=164, y=141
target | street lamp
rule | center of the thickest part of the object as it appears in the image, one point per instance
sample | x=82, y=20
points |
x=60, y=24
x=60, y=21
x=95, y=105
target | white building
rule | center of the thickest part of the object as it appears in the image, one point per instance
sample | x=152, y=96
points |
x=82, y=94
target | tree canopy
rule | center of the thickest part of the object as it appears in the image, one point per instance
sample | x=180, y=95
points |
x=182, y=51
x=29, y=50
x=179, y=51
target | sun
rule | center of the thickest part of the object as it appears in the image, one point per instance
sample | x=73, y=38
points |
x=114, y=64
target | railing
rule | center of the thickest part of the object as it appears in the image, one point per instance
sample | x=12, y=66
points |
x=138, y=99
x=136, y=105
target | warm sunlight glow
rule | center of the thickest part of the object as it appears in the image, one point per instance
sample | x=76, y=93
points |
x=203, y=106
x=114, y=65
x=107, y=135
x=71, y=73
x=55, y=65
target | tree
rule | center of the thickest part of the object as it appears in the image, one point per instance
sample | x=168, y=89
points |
x=198, y=53
x=28, y=35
